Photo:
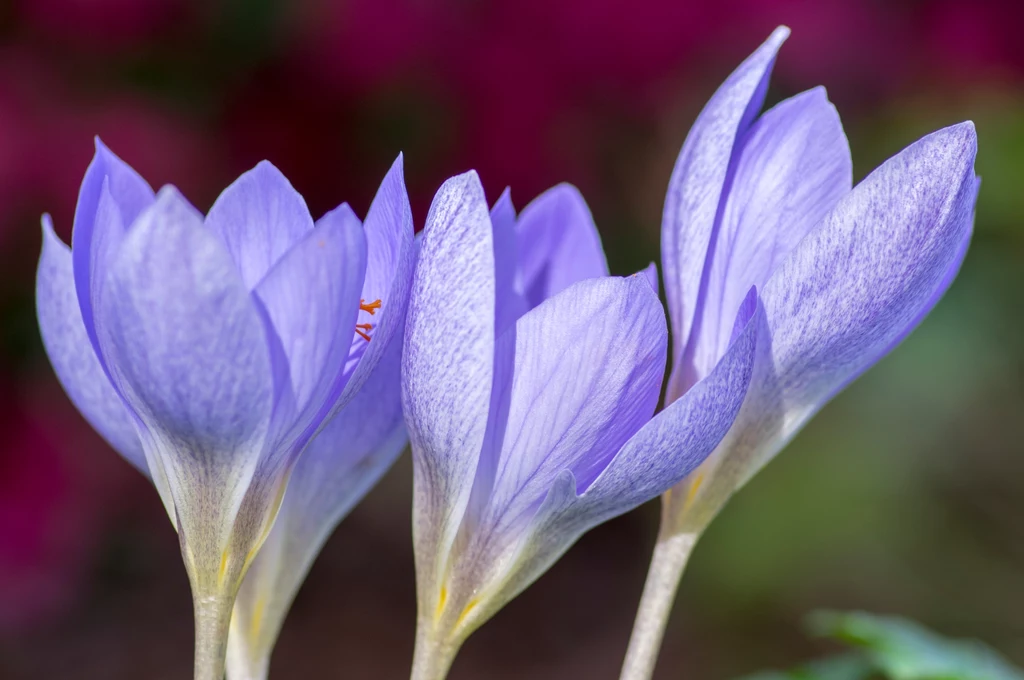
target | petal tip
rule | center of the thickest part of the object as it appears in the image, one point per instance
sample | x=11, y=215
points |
x=963, y=133
x=47, y=223
x=570, y=192
x=267, y=171
x=468, y=181
x=168, y=193
x=343, y=212
x=648, y=276
x=779, y=35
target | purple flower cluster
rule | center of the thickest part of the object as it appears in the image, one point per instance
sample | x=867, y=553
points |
x=263, y=369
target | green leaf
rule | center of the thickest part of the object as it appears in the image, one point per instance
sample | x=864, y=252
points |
x=849, y=666
x=904, y=650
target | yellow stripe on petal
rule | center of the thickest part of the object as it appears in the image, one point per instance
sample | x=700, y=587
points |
x=441, y=600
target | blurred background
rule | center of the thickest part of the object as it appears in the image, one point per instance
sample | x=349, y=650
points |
x=906, y=495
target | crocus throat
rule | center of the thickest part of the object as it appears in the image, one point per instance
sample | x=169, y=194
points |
x=363, y=329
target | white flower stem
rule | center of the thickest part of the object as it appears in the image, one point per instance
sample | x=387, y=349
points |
x=213, y=616
x=667, y=564
x=432, y=658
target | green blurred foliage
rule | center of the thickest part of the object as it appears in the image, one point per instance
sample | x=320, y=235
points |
x=894, y=648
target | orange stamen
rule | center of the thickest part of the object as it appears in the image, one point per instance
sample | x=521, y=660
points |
x=371, y=308
x=363, y=330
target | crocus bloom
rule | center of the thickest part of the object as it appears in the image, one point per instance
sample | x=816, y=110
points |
x=209, y=351
x=844, y=275
x=336, y=470
x=528, y=382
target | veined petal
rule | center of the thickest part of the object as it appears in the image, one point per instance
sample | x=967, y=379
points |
x=337, y=469
x=877, y=264
x=312, y=298
x=558, y=244
x=588, y=369
x=509, y=303
x=391, y=256
x=849, y=292
x=588, y=365
x=663, y=451
x=679, y=438
x=72, y=355
x=793, y=168
x=111, y=197
x=187, y=350
x=259, y=217
x=699, y=180
x=447, y=366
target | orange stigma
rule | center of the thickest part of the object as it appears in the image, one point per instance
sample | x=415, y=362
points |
x=371, y=308
x=363, y=329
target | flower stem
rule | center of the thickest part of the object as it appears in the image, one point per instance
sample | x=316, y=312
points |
x=213, y=616
x=431, y=658
x=671, y=553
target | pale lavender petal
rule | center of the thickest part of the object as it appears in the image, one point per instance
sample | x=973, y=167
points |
x=72, y=355
x=681, y=436
x=336, y=470
x=391, y=256
x=860, y=283
x=588, y=369
x=847, y=294
x=311, y=296
x=501, y=564
x=793, y=168
x=651, y=272
x=509, y=302
x=700, y=178
x=448, y=364
x=111, y=197
x=187, y=350
x=259, y=217
x=558, y=244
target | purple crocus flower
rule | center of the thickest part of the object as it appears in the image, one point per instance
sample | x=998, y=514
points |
x=529, y=380
x=209, y=351
x=336, y=470
x=844, y=274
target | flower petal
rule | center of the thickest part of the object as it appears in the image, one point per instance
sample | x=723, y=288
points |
x=681, y=436
x=651, y=272
x=336, y=470
x=72, y=355
x=509, y=303
x=111, y=197
x=558, y=244
x=588, y=369
x=700, y=176
x=187, y=350
x=259, y=217
x=793, y=167
x=662, y=452
x=391, y=256
x=312, y=297
x=848, y=293
x=448, y=364
x=880, y=260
